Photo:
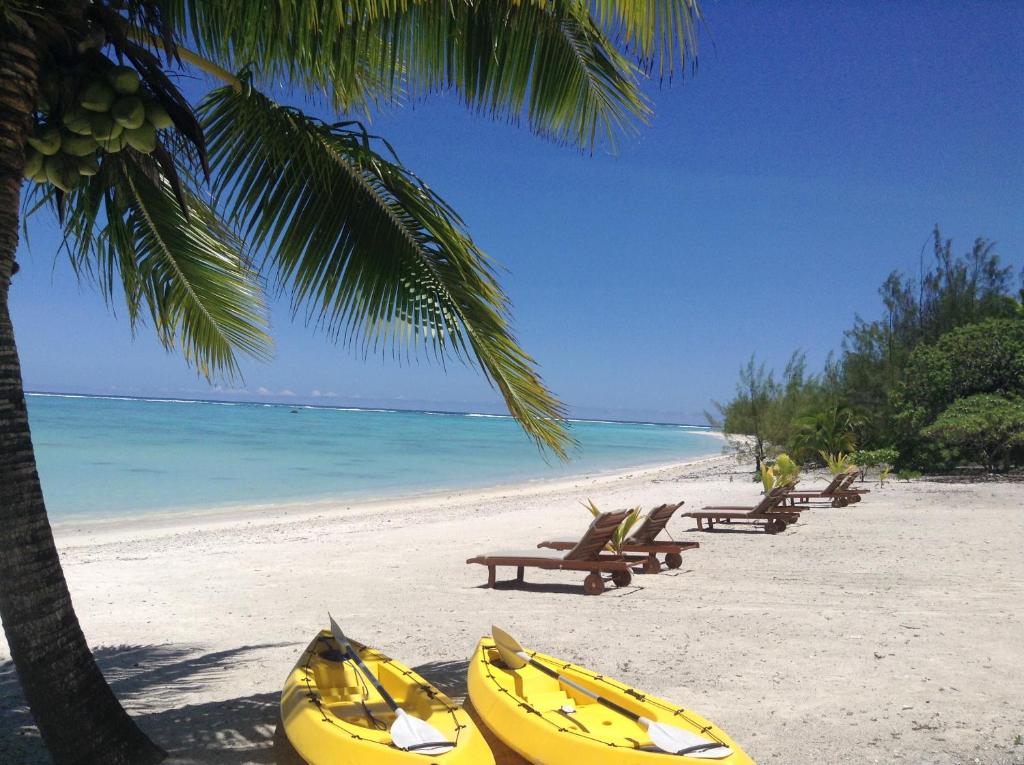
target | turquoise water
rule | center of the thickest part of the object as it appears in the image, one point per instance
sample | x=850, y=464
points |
x=112, y=456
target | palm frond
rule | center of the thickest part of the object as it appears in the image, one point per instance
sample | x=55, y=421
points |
x=661, y=33
x=546, y=62
x=127, y=231
x=369, y=251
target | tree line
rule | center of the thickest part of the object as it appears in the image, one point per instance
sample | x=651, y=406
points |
x=935, y=383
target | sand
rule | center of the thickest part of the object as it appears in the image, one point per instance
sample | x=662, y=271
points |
x=890, y=631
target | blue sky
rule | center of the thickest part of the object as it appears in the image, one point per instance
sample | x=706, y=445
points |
x=811, y=155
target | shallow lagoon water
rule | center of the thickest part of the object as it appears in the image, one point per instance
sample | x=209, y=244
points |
x=105, y=456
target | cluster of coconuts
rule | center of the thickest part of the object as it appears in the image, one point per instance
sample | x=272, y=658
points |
x=114, y=111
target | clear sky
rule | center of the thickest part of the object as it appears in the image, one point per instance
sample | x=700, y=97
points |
x=811, y=155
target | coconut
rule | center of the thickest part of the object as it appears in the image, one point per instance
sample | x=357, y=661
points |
x=97, y=97
x=88, y=165
x=104, y=127
x=77, y=121
x=157, y=115
x=33, y=162
x=128, y=111
x=142, y=138
x=62, y=171
x=78, y=145
x=124, y=79
x=115, y=143
x=46, y=141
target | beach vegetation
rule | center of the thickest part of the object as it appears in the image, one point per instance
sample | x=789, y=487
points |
x=884, y=460
x=952, y=333
x=759, y=421
x=187, y=213
x=952, y=292
x=985, y=428
x=837, y=462
x=987, y=357
x=829, y=430
x=780, y=471
x=908, y=474
x=623, y=530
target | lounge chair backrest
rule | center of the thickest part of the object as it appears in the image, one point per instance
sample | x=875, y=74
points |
x=848, y=480
x=652, y=525
x=773, y=498
x=834, y=484
x=598, y=534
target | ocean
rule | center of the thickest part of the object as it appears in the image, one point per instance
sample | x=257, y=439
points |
x=103, y=457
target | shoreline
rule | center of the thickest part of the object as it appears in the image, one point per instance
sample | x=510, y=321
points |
x=170, y=520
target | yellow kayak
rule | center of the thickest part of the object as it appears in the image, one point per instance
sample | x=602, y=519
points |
x=333, y=716
x=550, y=723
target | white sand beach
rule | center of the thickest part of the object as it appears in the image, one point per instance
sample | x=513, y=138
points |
x=889, y=631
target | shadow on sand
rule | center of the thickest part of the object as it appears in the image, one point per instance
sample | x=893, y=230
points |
x=239, y=731
x=146, y=678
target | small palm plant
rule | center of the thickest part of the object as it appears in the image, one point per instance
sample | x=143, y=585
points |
x=783, y=471
x=622, y=532
x=837, y=462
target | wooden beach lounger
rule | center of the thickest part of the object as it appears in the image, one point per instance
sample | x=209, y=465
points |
x=643, y=540
x=770, y=510
x=585, y=555
x=838, y=493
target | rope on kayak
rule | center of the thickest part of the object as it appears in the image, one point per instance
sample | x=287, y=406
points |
x=315, y=697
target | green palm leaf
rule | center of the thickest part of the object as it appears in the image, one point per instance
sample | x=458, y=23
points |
x=366, y=249
x=127, y=229
x=660, y=32
x=547, y=62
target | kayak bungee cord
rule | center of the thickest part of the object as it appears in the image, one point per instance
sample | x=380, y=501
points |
x=315, y=697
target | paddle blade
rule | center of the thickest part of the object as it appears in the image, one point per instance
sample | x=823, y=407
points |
x=418, y=736
x=339, y=636
x=669, y=738
x=509, y=648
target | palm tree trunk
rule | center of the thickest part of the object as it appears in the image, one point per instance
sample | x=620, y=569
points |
x=79, y=718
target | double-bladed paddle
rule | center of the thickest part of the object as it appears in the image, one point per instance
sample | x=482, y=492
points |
x=668, y=738
x=407, y=732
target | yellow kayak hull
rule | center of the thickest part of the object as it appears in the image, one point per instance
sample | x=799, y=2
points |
x=332, y=715
x=549, y=723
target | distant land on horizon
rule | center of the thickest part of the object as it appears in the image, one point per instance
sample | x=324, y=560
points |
x=362, y=404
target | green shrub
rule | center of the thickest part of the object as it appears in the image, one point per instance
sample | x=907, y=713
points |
x=883, y=459
x=986, y=428
x=987, y=357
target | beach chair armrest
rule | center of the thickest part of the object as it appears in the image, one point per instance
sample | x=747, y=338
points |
x=556, y=545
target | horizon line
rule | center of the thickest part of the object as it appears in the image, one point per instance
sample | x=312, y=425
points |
x=395, y=410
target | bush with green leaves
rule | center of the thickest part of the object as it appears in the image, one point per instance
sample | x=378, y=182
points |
x=782, y=471
x=986, y=428
x=883, y=459
x=987, y=357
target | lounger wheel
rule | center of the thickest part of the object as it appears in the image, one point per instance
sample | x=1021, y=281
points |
x=651, y=566
x=775, y=525
x=621, y=578
x=593, y=584
x=673, y=560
